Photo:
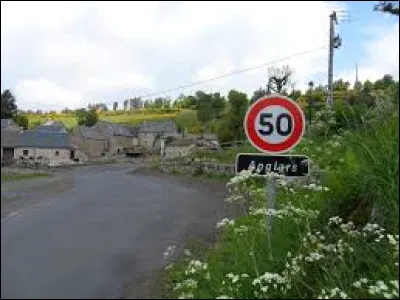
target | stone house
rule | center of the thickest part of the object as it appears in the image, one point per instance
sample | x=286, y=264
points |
x=119, y=137
x=54, y=148
x=9, y=141
x=89, y=141
x=151, y=133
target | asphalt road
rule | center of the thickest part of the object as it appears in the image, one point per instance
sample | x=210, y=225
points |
x=87, y=233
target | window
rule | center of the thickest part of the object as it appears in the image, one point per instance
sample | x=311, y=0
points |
x=25, y=152
x=57, y=153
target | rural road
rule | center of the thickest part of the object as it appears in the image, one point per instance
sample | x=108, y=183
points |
x=91, y=231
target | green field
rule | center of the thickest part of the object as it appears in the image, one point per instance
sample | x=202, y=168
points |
x=130, y=118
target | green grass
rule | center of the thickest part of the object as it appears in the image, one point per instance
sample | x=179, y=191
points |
x=122, y=117
x=361, y=169
x=11, y=177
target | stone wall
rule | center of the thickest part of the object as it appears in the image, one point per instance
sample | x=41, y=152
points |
x=91, y=147
x=55, y=156
x=193, y=167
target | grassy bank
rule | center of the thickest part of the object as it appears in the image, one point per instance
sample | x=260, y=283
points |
x=331, y=238
x=11, y=177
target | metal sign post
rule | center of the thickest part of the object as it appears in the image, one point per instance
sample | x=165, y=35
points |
x=271, y=194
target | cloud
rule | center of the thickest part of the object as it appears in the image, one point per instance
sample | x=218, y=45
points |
x=36, y=94
x=380, y=56
x=110, y=51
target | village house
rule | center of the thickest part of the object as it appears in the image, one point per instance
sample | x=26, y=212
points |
x=37, y=146
x=9, y=141
x=89, y=141
x=151, y=133
x=119, y=137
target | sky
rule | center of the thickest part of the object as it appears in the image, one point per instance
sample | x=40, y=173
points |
x=57, y=55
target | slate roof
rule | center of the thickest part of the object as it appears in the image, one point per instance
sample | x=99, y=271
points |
x=158, y=127
x=51, y=128
x=90, y=133
x=9, y=139
x=7, y=122
x=42, y=139
x=115, y=129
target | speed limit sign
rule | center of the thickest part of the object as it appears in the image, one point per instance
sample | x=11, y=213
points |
x=274, y=124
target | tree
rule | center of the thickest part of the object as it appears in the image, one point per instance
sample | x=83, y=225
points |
x=217, y=104
x=22, y=121
x=87, y=118
x=8, y=106
x=279, y=79
x=91, y=118
x=385, y=82
x=340, y=85
x=391, y=7
x=204, y=107
x=257, y=94
x=295, y=94
x=158, y=102
x=238, y=106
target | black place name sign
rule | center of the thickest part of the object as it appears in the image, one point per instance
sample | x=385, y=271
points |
x=288, y=165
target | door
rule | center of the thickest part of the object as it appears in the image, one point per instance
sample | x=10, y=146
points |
x=8, y=154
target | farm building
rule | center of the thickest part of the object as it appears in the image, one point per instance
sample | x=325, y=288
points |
x=9, y=141
x=34, y=146
x=151, y=133
x=89, y=141
x=118, y=136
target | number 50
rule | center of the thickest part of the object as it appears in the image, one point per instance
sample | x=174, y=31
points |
x=278, y=124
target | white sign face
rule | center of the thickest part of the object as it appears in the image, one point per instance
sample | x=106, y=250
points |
x=274, y=124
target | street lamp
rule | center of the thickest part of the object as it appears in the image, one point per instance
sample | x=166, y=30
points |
x=310, y=85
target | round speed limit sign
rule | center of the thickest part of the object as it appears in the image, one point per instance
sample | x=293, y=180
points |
x=274, y=124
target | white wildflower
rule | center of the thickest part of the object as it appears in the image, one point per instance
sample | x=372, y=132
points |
x=223, y=297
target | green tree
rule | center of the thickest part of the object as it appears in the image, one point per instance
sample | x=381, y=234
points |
x=204, y=107
x=218, y=104
x=87, y=118
x=238, y=106
x=385, y=82
x=8, y=106
x=340, y=85
x=22, y=121
x=391, y=7
x=257, y=94
x=295, y=94
x=91, y=118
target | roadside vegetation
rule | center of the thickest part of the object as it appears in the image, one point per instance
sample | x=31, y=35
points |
x=12, y=177
x=334, y=236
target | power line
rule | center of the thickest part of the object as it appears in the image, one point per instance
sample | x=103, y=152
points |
x=239, y=71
